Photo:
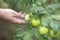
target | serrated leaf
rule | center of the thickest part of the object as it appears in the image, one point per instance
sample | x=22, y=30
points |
x=56, y=17
x=41, y=10
x=45, y=21
x=17, y=39
x=54, y=6
x=27, y=37
x=36, y=32
x=42, y=1
x=20, y=33
x=55, y=26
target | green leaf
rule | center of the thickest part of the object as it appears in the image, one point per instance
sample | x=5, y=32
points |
x=45, y=21
x=52, y=7
x=27, y=37
x=20, y=33
x=36, y=32
x=40, y=10
x=42, y=1
x=55, y=26
x=56, y=17
x=17, y=38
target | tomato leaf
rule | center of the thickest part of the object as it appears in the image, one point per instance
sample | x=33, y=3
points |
x=45, y=21
x=55, y=26
x=56, y=17
x=27, y=37
x=40, y=10
x=20, y=33
x=36, y=32
x=17, y=39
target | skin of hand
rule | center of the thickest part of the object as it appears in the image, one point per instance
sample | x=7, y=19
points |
x=12, y=16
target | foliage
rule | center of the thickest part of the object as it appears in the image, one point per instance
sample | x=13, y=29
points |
x=47, y=11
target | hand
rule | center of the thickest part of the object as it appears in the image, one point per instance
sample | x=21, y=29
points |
x=12, y=16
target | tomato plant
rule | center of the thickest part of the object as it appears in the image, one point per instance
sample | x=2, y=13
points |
x=42, y=15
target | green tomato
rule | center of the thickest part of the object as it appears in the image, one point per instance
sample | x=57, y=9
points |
x=35, y=22
x=34, y=5
x=58, y=33
x=43, y=30
x=27, y=18
x=38, y=3
x=52, y=34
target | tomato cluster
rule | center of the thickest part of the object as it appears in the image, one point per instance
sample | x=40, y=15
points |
x=36, y=22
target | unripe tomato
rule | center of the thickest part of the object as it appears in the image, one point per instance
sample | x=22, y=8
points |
x=52, y=33
x=58, y=34
x=27, y=18
x=34, y=5
x=38, y=3
x=43, y=30
x=35, y=22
